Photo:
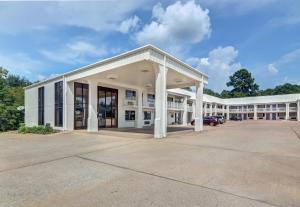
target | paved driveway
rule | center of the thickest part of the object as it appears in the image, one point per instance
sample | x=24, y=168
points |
x=237, y=164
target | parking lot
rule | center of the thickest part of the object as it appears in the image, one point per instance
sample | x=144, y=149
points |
x=249, y=163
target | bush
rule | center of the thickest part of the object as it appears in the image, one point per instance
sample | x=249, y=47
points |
x=36, y=129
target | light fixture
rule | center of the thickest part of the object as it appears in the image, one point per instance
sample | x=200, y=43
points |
x=112, y=76
x=145, y=71
x=149, y=85
x=177, y=80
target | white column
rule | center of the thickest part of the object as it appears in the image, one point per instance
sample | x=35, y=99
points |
x=210, y=109
x=298, y=110
x=140, y=118
x=194, y=110
x=199, y=105
x=227, y=111
x=255, y=112
x=184, y=116
x=160, y=125
x=205, y=108
x=223, y=110
x=287, y=111
x=69, y=102
x=93, y=119
x=216, y=109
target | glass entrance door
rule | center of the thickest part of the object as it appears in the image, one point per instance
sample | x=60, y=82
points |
x=107, y=107
x=81, y=98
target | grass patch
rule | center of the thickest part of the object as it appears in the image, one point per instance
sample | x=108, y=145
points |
x=36, y=130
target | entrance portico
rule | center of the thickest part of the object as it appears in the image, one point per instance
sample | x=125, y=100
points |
x=141, y=72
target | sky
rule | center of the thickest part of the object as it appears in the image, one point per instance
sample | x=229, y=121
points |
x=41, y=39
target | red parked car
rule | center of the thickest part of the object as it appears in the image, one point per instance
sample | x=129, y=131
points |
x=208, y=120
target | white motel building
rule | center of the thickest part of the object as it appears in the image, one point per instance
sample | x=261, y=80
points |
x=141, y=88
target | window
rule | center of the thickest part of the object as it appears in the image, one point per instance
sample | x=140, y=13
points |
x=150, y=97
x=129, y=115
x=58, y=111
x=130, y=95
x=170, y=99
x=147, y=115
x=41, y=106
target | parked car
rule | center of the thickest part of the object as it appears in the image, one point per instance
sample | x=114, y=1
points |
x=221, y=119
x=236, y=118
x=210, y=120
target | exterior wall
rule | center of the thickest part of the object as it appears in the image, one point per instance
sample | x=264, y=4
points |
x=31, y=107
x=31, y=104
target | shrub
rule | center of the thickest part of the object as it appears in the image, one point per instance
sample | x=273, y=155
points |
x=36, y=129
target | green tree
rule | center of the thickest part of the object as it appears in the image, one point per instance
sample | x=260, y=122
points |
x=11, y=97
x=210, y=92
x=243, y=84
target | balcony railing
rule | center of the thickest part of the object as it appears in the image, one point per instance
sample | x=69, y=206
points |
x=175, y=105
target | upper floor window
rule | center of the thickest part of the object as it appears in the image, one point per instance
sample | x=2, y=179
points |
x=130, y=95
x=170, y=99
x=150, y=97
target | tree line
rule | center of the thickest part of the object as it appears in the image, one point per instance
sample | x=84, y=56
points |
x=243, y=85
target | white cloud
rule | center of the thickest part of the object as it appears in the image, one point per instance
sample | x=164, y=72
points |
x=21, y=64
x=75, y=52
x=285, y=60
x=272, y=69
x=219, y=65
x=177, y=25
x=237, y=6
x=96, y=15
x=129, y=24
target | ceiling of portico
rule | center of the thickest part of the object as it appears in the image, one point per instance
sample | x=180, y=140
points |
x=140, y=75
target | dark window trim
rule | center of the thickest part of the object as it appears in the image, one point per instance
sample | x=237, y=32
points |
x=129, y=115
x=58, y=105
x=41, y=105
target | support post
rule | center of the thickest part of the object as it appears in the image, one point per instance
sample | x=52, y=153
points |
x=210, y=109
x=93, y=119
x=255, y=112
x=199, y=106
x=223, y=110
x=160, y=125
x=184, y=116
x=298, y=110
x=227, y=111
x=204, y=110
x=287, y=111
x=139, y=121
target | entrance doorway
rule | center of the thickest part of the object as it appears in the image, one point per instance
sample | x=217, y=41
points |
x=107, y=107
x=81, y=105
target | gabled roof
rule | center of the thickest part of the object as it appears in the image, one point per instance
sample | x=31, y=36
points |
x=111, y=59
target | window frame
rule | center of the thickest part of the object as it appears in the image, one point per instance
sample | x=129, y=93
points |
x=58, y=104
x=130, y=94
x=146, y=118
x=129, y=115
x=41, y=105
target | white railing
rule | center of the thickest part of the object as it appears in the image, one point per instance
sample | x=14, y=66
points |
x=149, y=104
x=175, y=105
x=293, y=109
x=190, y=108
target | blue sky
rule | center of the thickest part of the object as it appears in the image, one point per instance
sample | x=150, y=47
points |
x=42, y=39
